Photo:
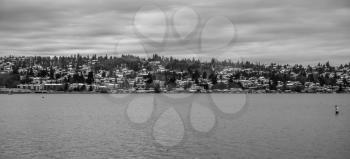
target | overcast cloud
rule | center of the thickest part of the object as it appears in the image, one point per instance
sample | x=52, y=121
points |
x=285, y=31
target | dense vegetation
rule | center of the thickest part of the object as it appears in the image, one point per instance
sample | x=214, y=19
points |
x=325, y=74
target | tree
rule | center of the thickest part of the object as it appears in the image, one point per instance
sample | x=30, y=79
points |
x=90, y=88
x=52, y=73
x=204, y=75
x=219, y=85
x=187, y=85
x=221, y=77
x=75, y=78
x=83, y=88
x=346, y=83
x=43, y=73
x=230, y=81
x=149, y=78
x=81, y=78
x=340, y=90
x=172, y=82
x=30, y=72
x=103, y=74
x=9, y=80
x=213, y=78
x=90, y=78
x=195, y=76
x=157, y=88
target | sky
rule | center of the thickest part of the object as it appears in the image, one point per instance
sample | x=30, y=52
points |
x=282, y=31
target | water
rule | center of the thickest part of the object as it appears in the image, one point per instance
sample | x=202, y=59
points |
x=122, y=126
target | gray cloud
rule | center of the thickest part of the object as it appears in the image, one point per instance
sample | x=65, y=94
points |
x=295, y=31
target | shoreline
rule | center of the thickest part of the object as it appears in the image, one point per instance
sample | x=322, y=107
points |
x=12, y=93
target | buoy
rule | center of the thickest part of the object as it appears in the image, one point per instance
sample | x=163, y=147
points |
x=336, y=110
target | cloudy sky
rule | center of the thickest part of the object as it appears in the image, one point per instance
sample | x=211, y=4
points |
x=284, y=31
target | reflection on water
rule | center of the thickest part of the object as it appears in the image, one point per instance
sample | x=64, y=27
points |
x=169, y=129
x=202, y=119
x=92, y=126
x=140, y=108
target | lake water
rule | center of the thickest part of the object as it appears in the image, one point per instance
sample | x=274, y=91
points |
x=174, y=126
